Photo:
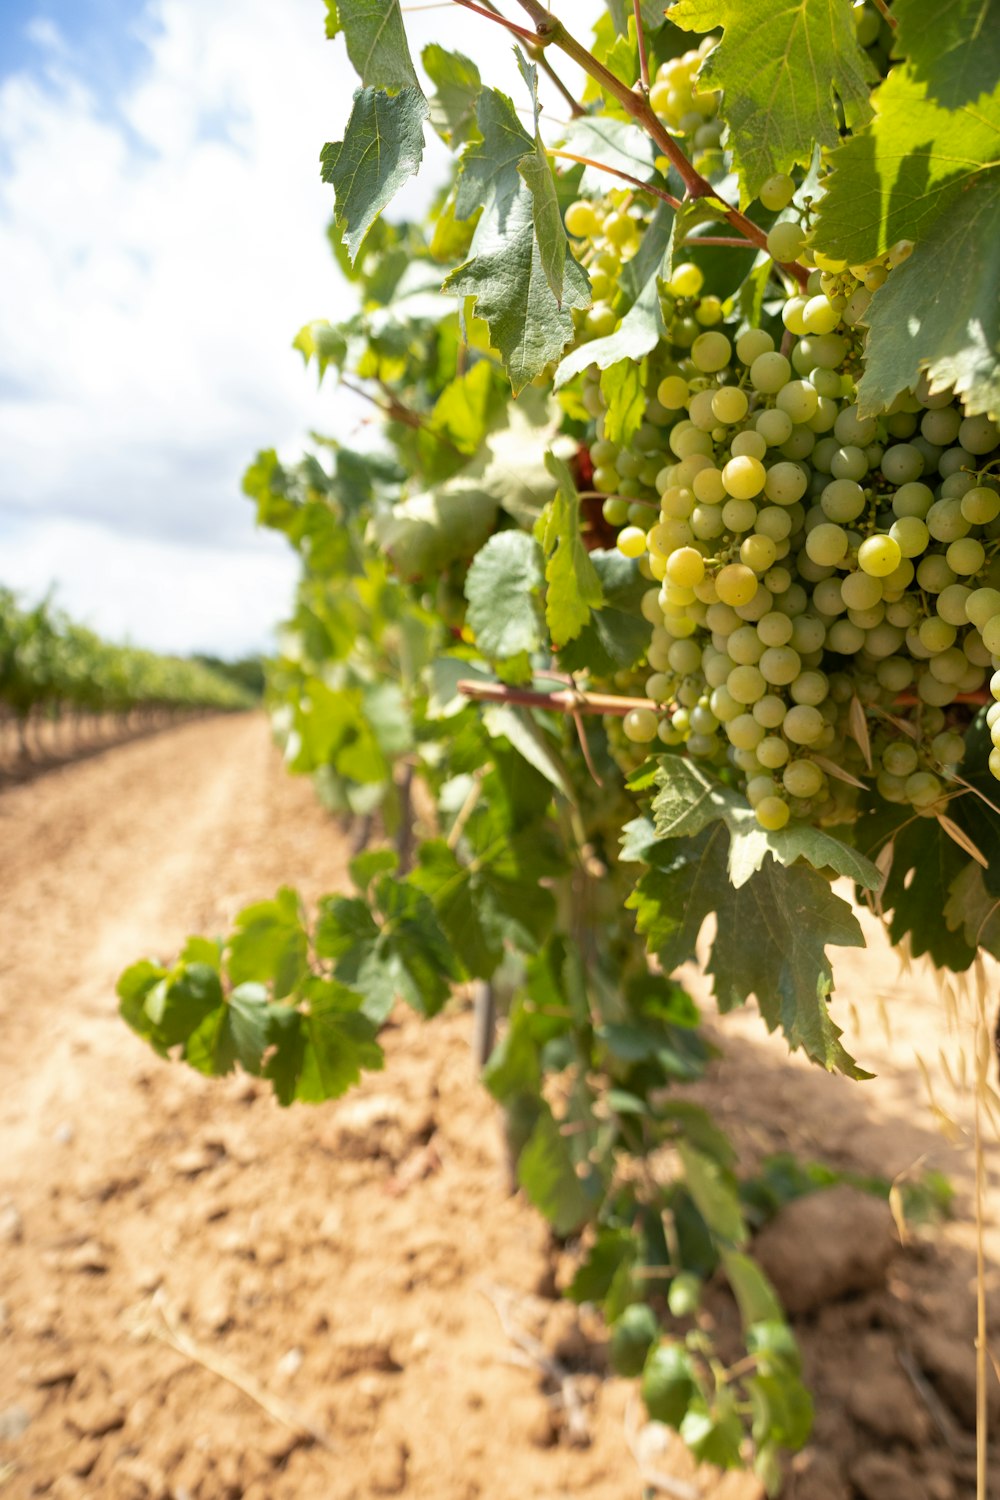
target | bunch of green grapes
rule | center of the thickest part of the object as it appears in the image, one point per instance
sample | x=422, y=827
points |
x=688, y=111
x=611, y=230
x=825, y=587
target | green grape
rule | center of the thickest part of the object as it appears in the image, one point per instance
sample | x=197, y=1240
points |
x=744, y=477
x=910, y=535
x=582, y=220
x=785, y=483
x=811, y=687
x=775, y=629
x=775, y=427
x=852, y=430
x=748, y=444
x=981, y=606
x=879, y=556
x=711, y=351
x=729, y=404
x=615, y=511
x=952, y=604
x=759, y=787
x=845, y=638
x=941, y=427
x=744, y=646
x=772, y=813
x=966, y=556
x=780, y=665
x=776, y=193
x=826, y=544
x=686, y=567
x=861, y=590
x=746, y=684
x=673, y=392
x=772, y=752
x=923, y=788
x=769, y=372
x=631, y=542
x=979, y=435
x=784, y=241
x=640, y=725
x=945, y=521
x=934, y=574
x=819, y=315
x=948, y=749
x=912, y=499
x=739, y=515
x=757, y=551
x=744, y=732
x=802, y=778
x=991, y=637
x=842, y=500
x=849, y=463
x=753, y=343
x=687, y=280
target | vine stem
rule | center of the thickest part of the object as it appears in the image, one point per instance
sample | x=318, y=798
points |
x=640, y=37
x=494, y=15
x=569, y=701
x=551, y=32
x=636, y=182
x=885, y=13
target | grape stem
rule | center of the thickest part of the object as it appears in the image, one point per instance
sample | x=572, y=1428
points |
x=640, y=37
x=569, y=701
x=551, y=32
x=494, y=15
x=886, y=14
x=637, y=182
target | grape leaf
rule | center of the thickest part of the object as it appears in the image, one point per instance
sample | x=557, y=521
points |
x=425, y=532
x=550, y=232
x=506, y=276
x=406, y=956
x=237, y=1032
x=501, y=588
x=973, y=910
x=614, y=143
x=488, y=175
x=918, y=887
x=383, y=145
x=320, y=1053
x=956, y=338
x=690, y=798
x=618, y=633
x=952, y=45
x=574, y=588
x=622, y=389
x=779, y=66
x=545, y=1169
x=458, y=84
x=269, y=944
x=713, y=1189
x=376, y=41
x=770, y=941
x=481, y=911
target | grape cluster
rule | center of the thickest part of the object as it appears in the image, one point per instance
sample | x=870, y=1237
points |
x=686, y=110
x=825, y=586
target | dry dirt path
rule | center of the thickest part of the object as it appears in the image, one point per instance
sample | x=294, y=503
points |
x=339, y=1260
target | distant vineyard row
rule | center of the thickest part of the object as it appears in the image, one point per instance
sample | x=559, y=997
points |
x=50, y=667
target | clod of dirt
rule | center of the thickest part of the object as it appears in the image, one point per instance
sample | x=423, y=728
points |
x=92, y=1258
x=880, y=1476
x=387, y=1473
x=882, y=1399
x=815, y=1475
x=376, y=1125
x=564, y=1338
x=62, y=1371
x=351, y=1355
x=14, y=1422
x=95, y=1418
x=951, y=1365
x=11, y=1224
x=827, y=1245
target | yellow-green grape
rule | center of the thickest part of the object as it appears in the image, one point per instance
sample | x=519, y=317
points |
x=582, y=220
x=769, y=372
x=786, y=483
x=980, y=506
x=600, y=320
x=686, y=567
x=758, y=552
x=923, y=788
x=754, y=342
x=966, y=556
x=687, y=280
x=802, y=778
x=772, y=813
x=826, y=544
x=803, y=724
x=632, y=541
x=736, y=584
x=981, y=606
x=619, y=229
x=798, y=399
x=640, y=725
x=793, y=315
x=776, y=193
x=991, y=635
x=744, y=477
x=708, y=312
x=673, y=392
x=910, y=535
x=994, y=763
x=879, y=556
x=784, y=241
x=729, y=405
x=819, y=315
x=711, y=352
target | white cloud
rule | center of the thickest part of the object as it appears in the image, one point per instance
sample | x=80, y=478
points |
x=159, y=250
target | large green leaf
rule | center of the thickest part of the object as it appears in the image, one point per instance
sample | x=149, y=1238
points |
x=622, y=389
x=771, y=934
x=618, y=633
x=425, y=532
x=269, y=944
x=573, y=587
x=404, y=955
x=613, y=143
x=546, y=1171
x=376, y=41
x=319, y=1053
x=506, y=276
x=956, y=338
x=638, y=332
x=489, y=171
x=237, y=1032
x=919, y=884
x=482, y=911
x=458, y=84
x=713, y=1189
x=951, y=45
x=501, y=587
x=383, y=146
x=691, y=797
x=781, y=67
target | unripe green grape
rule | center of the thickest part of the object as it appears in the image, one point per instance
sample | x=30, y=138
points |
x=957, y=486
x=914, y=499
x=941, y=427
x=842, y=500
x=966, y=556
x=828, y=598
x=757, y=551
x=658, y=687
x=892, y=788
x=769, y=711
x=948, y=748
x=900, y=758
x=923, y=788
x=707, y=522
x=949, y=666
x=954, y=461
x=709, y=310
x=711, y=352
x=686, y=440
x=991, y=637
x=845, y=639
x=686, y=567
x=723, y=705
x=776, y=192
x=803, y=724
x=778, y=578
x=752, y=343
x=772, y=753
x=785, y=483
x=780, y=665
x=826, y=544
x=729, y=404
x=775, y=629
x=650, y=606
x=676, y=503
x=673, y=392
x=902, y=463
x=739, y=515
x=756, y=607
x=744, y=760
x=687, y=280
x=851, y=429
x=600, y=320
x=582, y=220
x=945, y=521
x=910, y=535
x=615, y=511
x=774, y=426
x=748, y=444
x=867, y=619
x=759, y=787
x=811, y=687
x=772, y=813
x=802, y=778
x=774, y=522
x=994, y=763
x=879, y=556
x=826, y=351
x=849, y=462
x=981, y=606
x=744, y=646
x=744, y=732
x=769, y=372
x=628, y=465
x=640, y=725
x=747, y=684
x=934, y=574
x=857, y=306
x=936, y=634
x=860, y=590
x=979, y=435
x=952, y=604
x=703, y=721
x=784, y=241
x=975, y=650
x=708, y=486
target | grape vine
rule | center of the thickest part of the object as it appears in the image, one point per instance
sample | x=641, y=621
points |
x=673, y=593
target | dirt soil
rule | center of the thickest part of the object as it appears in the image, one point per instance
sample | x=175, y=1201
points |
x=205, y=1297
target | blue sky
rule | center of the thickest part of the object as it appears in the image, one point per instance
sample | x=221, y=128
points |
x=161, y=238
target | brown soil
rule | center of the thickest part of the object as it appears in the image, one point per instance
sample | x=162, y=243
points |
x=360, y=1268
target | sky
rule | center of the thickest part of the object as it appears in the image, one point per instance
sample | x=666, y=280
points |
x=161, y=241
